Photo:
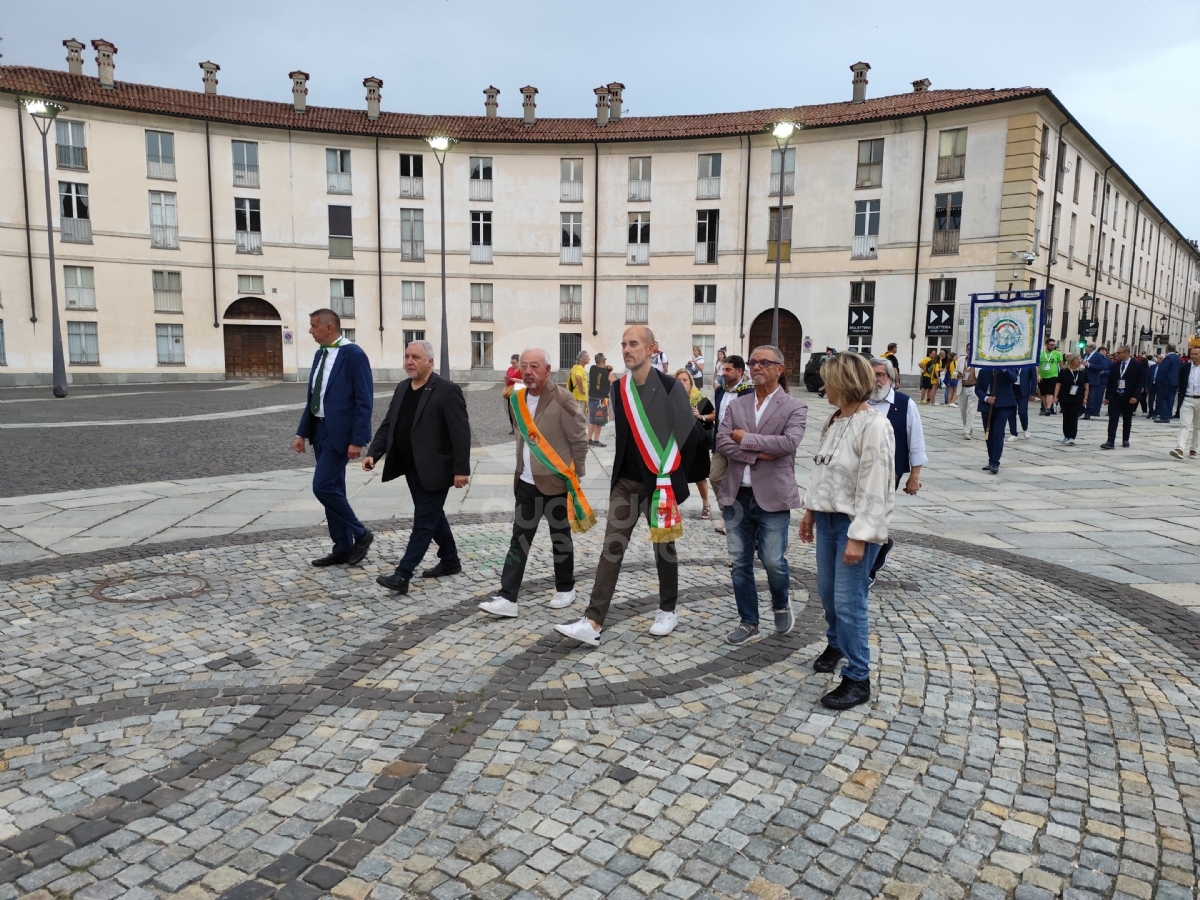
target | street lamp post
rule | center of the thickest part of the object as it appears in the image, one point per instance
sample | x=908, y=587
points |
x=782, y=132
x=43, y=113
x=440, y=147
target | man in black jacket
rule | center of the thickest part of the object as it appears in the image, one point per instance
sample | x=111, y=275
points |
x=427, y=414
x=668, y=412
x=1126, y=381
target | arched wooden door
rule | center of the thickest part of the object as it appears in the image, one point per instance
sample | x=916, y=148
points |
x=253, y=351
x=791, y=341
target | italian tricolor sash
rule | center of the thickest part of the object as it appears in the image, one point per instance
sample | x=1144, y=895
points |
x=666, y=523
x=579, y=512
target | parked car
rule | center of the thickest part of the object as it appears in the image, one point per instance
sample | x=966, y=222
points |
x=812, y=374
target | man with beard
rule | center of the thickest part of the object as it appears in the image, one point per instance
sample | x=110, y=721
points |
x=731, y=383
x=902, y=413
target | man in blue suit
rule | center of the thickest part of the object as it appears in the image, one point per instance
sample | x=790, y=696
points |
x=1026, y=387
x=337, y=421
x=998, y=405
x=1097, y=364
x=1166, y=385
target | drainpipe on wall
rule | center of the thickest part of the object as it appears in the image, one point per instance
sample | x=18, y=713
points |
x=25, y=198
x=1132, y=262
x=746, y=240
x=379, y=240
x=1171, y=299
x=1154, y=282
x=1058, y=164
x=912, y=325
x=595, y=232
x=212, y=233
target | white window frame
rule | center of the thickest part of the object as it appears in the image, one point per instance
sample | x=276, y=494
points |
x=245, y=173
x=412, y=303
x=168, y=337
x=79, y=286
x=704, y=305
x=412, y=235
x=570, y=303
x=480, y=177
x=337, y=171
x=167, y=286
x=164, y=220
x=83, y=344
x=570, y=239
x=482, y=309
x=160, y=165
x=412, y=185
x=570, y=184
x=789, y=171
x=637, y=304
x=639, y=177
x=340, y=301
x=252, y=284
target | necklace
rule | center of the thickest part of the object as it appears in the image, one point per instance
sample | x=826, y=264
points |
x=822, y=459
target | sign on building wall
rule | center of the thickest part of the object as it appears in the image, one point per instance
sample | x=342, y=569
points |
x=939, y=319
x=1006, y=327
x=861, y=320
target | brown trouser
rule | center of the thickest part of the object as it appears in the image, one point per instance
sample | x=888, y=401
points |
x=627, y=503
x=716, y=471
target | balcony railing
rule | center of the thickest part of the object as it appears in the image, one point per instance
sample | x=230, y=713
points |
x=245, y=175
x=168, y=301
x=638, y=255
x=636, y=312
x=866, y=246
x=945, y=241
x=164, y=237
x=869, y=175
x=79, y=297
x=772, y=249
x=71, y=157
x=341, y=247
x=704, y=313
x=570, y=312
x=708, y=188
x=789, y=183
x=163, y=170
x=412, y=251
x=249, y=242
x=950, y=167
x=337, y=182
x=481, y=189
x=706, y=252
x=343, y=306
x=412, y=309
x=481, y=253
x=412, y=186
x=570, y=191
x=639, y=189
x=570, y=256
x=481, y=310
x=75, y=231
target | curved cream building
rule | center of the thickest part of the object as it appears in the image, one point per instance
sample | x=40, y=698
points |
x=194, y=231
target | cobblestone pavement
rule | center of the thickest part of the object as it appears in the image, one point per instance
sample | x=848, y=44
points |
x=52, y=459
x=268, y=729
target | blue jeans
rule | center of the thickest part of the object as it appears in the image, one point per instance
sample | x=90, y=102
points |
x=429, y=524
x=329, y=487
x=843, y=591
x=749, y=527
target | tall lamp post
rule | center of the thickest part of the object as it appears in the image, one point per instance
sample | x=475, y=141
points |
x=782, y=132
x=43, y=113
x=440, y=147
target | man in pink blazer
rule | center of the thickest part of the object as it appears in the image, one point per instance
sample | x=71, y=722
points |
x=759, y=436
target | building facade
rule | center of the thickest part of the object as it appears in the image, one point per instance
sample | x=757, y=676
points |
x=194, y=232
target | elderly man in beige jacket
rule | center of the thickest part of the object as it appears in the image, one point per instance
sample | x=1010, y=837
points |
x=558, y=421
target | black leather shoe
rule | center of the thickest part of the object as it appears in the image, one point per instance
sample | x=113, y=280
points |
x=847, y=694
x=393, y=582
x=333, y=559
x=994, y=469
x=1124, y=443
x=988, y=467
x=1106, y=446
x=361, y=545
x=828, y=659
x=443, y=569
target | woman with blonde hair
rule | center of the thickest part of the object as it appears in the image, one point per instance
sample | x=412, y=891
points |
x=706, y=415
x=849, y=500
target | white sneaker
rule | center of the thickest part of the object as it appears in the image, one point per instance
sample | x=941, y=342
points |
x=664, y=623
x=1024, y=435
x=499, y=606
x=581, y=631
x=562, y=599
x=719, y=526
x=1071, y=441
x=966, y=436
x=1010, y=437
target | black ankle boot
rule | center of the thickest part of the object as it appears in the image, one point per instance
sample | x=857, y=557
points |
x=828, y=659
x=847, y=694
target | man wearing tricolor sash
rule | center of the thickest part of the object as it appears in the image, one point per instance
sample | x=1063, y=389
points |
x=552, y=449
x=654, y=431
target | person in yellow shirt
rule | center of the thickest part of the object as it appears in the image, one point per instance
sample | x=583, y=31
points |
x=928, y=367
x=577, y=381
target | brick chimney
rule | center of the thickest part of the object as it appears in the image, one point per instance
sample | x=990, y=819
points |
x=859, y=81
x=490, y=103
x=105, y=51
x=373, y=85
x=529, y=105
x=74, y=56
x=602, y=106
x=210, y=76
x=614, y=101
x=920, y=87
x=299, y=89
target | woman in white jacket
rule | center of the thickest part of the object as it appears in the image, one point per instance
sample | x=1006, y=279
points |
x=847, y=505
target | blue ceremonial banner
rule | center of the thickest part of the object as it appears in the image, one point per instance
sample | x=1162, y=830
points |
x=1006, y=328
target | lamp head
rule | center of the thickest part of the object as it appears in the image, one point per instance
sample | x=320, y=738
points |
x=439, y=143
x=783, y=130
x=42, y=109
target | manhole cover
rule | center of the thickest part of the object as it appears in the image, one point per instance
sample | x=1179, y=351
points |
x=150, y=588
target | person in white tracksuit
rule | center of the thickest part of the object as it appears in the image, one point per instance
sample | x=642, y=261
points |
x=967, y=401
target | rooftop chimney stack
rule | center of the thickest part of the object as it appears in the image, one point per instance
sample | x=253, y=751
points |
x=859, y=81
x=602, y=106
x=373, y=85
x=299, y=89
x=614, y=100
x=105, y=51
x=74, y=56
x=210, y=76
x=490, y=103
x=920, y=87
x=529, y=105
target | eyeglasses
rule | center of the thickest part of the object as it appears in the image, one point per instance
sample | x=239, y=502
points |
x=759, y=363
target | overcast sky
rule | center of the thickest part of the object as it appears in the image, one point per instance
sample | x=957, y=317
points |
x=1129, y=71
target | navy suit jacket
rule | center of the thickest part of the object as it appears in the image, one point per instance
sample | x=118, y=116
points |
x=349, y=396
x=1000, y=382
x=1027, y=381
x=1166, y=373
x=1135, y=380
x=1097, y=370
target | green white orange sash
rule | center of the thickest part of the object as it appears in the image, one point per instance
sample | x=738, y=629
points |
x=666, y=523
x=579, y=512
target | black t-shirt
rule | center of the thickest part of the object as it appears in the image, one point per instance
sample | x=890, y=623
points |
x=1068, y=379
x=598, y=382
x=404, y=427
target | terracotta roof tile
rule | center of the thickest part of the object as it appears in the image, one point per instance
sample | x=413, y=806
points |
x=83, y=89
